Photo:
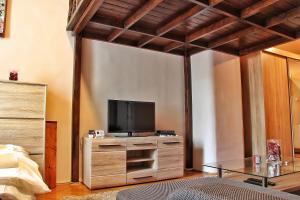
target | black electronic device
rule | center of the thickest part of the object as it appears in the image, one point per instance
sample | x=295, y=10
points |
x=165, y=133
x=131, y=117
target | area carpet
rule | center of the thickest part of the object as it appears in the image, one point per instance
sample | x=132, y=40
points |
x=98, y=196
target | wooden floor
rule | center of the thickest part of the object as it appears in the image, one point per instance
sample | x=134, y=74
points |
x=284, y=183
x=79, y=189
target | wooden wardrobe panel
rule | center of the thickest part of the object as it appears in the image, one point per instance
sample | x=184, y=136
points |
x=253, y=105
x=294, y=75
x=276, y=98
x=19, y=100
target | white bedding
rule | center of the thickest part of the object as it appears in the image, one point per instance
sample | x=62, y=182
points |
x=19, y=175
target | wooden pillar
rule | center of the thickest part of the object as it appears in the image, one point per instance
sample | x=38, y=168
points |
x=188, y=112
x=76, y=108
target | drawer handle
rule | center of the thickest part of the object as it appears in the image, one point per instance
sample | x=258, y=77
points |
x=137, y=178
x=171, y=143
x=144, y=144
x=110, y=145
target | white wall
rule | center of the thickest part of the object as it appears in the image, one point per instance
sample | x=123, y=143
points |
x=217, y=108
x=113, y=71
x=39, y=47
x=204, y=127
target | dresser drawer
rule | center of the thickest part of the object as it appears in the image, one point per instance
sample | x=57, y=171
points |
x=22, y=100
x=141, y=143
x=108, y=163
x=170, y=158
x=108, y=181
x=170, y=142
x=169, y=173
x=24, y=132
x=142, y=176
x=108, y=145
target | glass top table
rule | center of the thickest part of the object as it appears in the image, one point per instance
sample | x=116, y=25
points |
x=265, y=170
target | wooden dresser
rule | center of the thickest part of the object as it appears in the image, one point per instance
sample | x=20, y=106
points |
x=22, y=117
x=111, y=162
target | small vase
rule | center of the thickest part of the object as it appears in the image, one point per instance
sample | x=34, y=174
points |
x=13, y=76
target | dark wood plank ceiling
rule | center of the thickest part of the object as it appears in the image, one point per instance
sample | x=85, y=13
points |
x=236, y=27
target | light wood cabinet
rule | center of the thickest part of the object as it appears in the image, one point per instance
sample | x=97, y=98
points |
x=113, y=162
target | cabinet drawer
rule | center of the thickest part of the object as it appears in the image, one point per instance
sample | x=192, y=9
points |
x=142, y=176
x=108, y=181
x=141, y=143
x=170, y=158
x=170, y=142
x=108, y=145
x=22, y=100
x=170, y=173
x=108, y=163
x=28, y=133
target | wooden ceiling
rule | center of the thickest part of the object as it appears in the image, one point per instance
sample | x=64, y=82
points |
x=186, y=27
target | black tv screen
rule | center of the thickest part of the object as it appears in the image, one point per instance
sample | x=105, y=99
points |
x=130, y=116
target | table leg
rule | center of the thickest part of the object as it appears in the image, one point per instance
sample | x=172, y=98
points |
x=265, y=182
x=220, y=173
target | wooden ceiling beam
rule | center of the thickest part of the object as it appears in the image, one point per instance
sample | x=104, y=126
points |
x=179, y=19
x=77, y=14
x=97, y=36
x=136, y=16
x=146, y=41
x=263, y=45
x=114, y=34
x=286, y=35
x=215, y=2
x=231, y=37
x=202, y=32
x=97, y=22
x=200, y=3
x=172, y=46
x=263, y=28
x=273, y=21
x=227, y=50
x=89, y=12
x=256, y=8
x=141, y=12
x=230, y=14
x=173, y=23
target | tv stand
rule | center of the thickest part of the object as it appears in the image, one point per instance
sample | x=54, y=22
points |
x=111, y=162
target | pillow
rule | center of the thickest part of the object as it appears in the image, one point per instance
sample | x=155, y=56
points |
x=8, y=160
x=8, y=157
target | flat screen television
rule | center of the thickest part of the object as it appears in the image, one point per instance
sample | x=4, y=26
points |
x=131, y=116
